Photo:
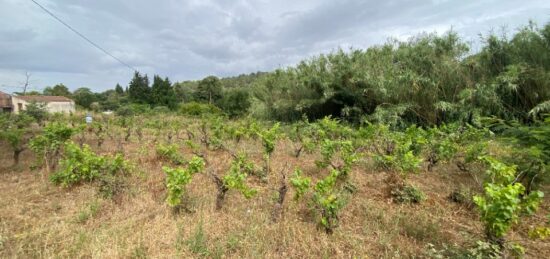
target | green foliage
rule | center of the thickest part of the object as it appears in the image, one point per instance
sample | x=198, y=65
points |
x=347, y=155
x=396, y=151
x=300, y=183
x=84, y=97
x=83, y=165
x=209, y=90
x=329, y=201
x=197, y=243
x=178, y=178
x=162, y=93
x=403, y=163
x=198, y=109
x=49, y=143
x=236, y=177
x=170, y=152
x=408, y=194
x=442, y=145
x=269, y=137
x=531, y=149
x=539, y=233
x=139, y=90
x=57, y=90
x=235, y=102
x=503, y=201
x=38, y=111
x=14, y=129
x=302, y=134
x=90, y=211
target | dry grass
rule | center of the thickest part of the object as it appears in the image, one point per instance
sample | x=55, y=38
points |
x=39, y=220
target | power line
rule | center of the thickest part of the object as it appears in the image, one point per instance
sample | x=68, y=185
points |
x=83, y=37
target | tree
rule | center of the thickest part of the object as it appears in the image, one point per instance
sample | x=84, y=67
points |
x=119, y=90
x=235, y=102
x=57, y=90
x=162, y=93
x=185, y=91
x=110, y=100
x=84, y=97
x=209, y=89
x=139, y=90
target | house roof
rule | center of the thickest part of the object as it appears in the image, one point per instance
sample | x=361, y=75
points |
x=5, y=100
x=44, y=98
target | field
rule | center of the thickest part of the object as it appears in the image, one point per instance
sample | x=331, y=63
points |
x=40, y=219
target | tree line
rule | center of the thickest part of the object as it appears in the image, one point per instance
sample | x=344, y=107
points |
x=427, y=80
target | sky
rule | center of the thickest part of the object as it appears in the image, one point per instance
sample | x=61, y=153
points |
x=189, y=40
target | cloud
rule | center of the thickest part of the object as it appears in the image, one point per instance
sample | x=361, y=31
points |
x=192, y=39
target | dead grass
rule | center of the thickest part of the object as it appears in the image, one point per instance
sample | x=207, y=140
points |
x=39, y=220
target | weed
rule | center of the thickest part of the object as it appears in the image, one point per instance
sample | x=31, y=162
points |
x=197, y=243
x=407, y=194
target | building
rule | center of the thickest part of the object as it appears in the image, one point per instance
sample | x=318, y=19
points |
x=52, y=103
x=5, y=102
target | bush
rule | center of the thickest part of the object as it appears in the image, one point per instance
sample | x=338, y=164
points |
x=198, y=109
x=82, y=164
x=170, y=153
x=48, y=145
x=37, y=110
x=178, y=178
x=408, y=194
x=462, y=196
x=504, y=200
x=235, y=102
x=133, y=109
x=160, y=109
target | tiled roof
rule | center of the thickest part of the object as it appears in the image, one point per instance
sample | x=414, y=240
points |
x=44, y=99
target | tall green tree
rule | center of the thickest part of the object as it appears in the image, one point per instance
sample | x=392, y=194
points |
x=209, y=90
x=235, y=102
x=118, y=89
x=84, y=97
x=162, y=93
x=139, y=90
x=57, y=90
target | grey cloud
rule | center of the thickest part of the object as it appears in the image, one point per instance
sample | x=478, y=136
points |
x=191, y=39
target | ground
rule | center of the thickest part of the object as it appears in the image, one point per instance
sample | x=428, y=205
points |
x=41, y=220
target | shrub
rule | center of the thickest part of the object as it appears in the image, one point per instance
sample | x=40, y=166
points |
x=83, y=165
x=178, y=178
x=462, y=196
x=408, y=194
x=170, y=153
x=300, y=183
x=13, y=129
x=198, y=109
x=504, y=200
x=38, y=111
x=160, y=110
x=48, y=144
x=235, y=179
x=235, y=102
x=329, y=201
x=347, y=156
x=269, y=137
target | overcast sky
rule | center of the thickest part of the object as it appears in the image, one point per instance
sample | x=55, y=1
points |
x=192, y=39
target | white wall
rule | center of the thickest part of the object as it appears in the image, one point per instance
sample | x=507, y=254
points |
x=60, y=107
x=16, y=103
x=52, y=107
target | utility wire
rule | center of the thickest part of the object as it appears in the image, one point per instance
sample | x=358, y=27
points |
x=84, y=37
